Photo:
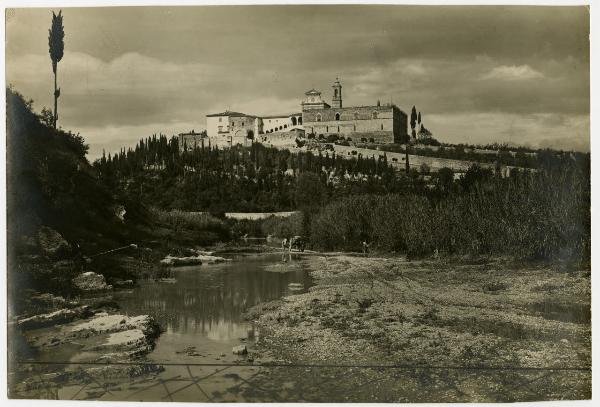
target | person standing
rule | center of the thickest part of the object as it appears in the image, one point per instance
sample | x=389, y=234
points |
x=365, y=247
x=284, y=244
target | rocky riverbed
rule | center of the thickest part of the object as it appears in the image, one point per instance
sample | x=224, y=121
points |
x=433, y=330
x=78, y=342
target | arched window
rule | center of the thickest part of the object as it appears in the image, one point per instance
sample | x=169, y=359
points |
x=374, y=115
x=280, y=127
x=319, y=117
x=285, y=126
x=382, y=127
x=293, y=121
x=300, y=120
x=335, y=93
x=337, y=116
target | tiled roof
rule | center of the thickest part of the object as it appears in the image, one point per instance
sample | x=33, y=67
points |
x=228, y=113
x=313, y=92
x=281, y=115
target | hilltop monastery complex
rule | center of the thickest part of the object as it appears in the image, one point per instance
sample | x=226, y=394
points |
x=377, y=123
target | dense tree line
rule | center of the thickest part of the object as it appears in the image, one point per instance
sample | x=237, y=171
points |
x=255, y=178
x=535, y=215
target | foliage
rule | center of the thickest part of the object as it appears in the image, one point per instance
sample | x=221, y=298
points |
x=238, y=179
x=413, y=119
x=49, y=180
x=277, y=226
x=542, y=215
x=492, y=154
x=56, y=43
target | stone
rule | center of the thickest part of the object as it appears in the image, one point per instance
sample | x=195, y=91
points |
x=131, y=339
x=51, y=242
x=123, y=283
x=199, y=259
x=117, y=323
x=90, y=281
x=181, y=261
x=240, y=350
x=119, y=211
x=61, y=316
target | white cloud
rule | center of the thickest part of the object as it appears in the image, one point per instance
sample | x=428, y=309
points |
x=512, y=73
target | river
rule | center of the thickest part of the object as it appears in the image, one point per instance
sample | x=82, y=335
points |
x=201, y=311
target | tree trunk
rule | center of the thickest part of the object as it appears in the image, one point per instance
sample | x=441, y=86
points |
x=406, y=159
x=55, y=99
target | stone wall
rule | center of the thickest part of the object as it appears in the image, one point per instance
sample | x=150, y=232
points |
x=383, y=124
x=243, y=125
x=191, y=141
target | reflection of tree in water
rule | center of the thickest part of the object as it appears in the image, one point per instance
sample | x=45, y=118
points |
x=210, y=301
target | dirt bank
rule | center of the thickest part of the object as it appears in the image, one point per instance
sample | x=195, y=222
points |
x=479, y=332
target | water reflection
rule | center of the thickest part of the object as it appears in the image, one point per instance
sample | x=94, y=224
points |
x=209, y=300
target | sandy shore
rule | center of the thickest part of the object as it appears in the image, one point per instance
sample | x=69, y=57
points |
x=478, y=330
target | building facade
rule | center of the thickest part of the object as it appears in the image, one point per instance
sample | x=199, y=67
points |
x=281, y=122
x=233, y=127
x=377, y=123
x=381, y=124
x=192, y=140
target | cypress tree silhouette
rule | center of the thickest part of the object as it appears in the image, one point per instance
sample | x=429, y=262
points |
x=56, y=44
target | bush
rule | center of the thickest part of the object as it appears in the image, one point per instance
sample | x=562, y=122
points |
x=543, y=216
x=178, y=220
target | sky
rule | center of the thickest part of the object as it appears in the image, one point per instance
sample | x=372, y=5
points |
x=478, y=74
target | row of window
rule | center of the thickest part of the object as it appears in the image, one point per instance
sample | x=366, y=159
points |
x=356, y=116
x=294, y=120
x=338, y=128
x=277, y=128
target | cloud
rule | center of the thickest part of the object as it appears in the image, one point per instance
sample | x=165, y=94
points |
x=566, y=132
x=513, y=73
x=121, y=77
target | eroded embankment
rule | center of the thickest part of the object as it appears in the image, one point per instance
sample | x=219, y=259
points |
x=493, y=316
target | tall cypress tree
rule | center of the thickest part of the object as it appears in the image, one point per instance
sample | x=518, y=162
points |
x=56, y=45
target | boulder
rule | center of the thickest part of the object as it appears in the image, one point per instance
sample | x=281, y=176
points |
x=46, y=302
x=117, y=323
x=240, y=350
x=129, y=340
x=51, y=242
x=90, y=281
x=61, y=316
x=181, y=261
x=119, y=211
x=192, y=260
x=123, y=283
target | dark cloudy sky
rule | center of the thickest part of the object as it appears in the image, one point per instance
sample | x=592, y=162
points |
x=478, y=74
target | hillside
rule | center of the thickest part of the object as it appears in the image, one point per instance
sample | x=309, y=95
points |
x=57, y=210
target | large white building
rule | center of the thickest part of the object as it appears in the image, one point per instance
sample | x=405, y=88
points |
x=376, y=123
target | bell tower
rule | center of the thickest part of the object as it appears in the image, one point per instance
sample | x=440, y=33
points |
x=336, y=102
